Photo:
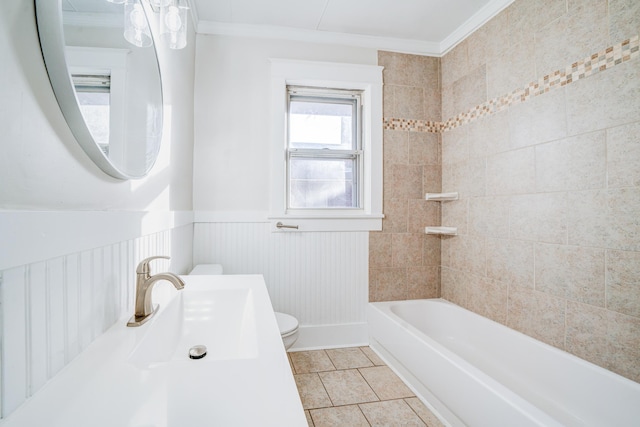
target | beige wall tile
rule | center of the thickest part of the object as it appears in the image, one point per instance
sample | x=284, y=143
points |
x=409, y=102
x=489, y=135
x=385, y=383
x=528, y=16
x=605, y=218
x=540, y=217
x=486, y=43
x=489, y=216
x=623, y=282
x=540, y=119
x=455, y=64
x=431, y=179
x=468, y=253
x=454, y=286
x=349, y=415
x=422, y=213
x=380, y=254
x=467, y=178
x=423, y=148
x=587, y=333
x=522, y=217
x=309, y=420
x=431, y=247
x=511, y=261
x=395, y=216
x=423, y=282
x=391, y=412
x=388, y=101
x=448, y=109
x=551, y=217
x=623, y=333
x=572, y=37
x=396, y=147
x=347, y=387
x=455, y=145
x=624, y=19
x=455, y=214
x=623, y=155
x=405, y=182
x=571, y=272
x=470, y=90
x=512, y=172
x=488, y=297
x=538, y=315
x=407, y=249
x=512, y=69
x=604, y=100
x=576, y=163
x=391, y=284
x=409, y=70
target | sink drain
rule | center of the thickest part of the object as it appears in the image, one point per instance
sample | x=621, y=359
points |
x=197, y=352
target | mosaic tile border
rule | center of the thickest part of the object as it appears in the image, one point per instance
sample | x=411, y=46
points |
x=600, y=61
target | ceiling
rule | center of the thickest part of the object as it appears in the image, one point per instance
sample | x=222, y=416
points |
x=429, y=27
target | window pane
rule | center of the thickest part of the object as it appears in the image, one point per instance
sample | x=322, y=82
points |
x=95, y=111
x=322, y=183
x=321, y=124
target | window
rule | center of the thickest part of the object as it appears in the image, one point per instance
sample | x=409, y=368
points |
x=94, y=97
x=324, y=149
x=326, y=145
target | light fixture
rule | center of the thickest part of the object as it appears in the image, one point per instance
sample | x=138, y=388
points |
x=116, y=1
x=158, y=3
x=136, y=28
x=173, y=23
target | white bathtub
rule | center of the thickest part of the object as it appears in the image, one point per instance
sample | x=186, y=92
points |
x=476, y=372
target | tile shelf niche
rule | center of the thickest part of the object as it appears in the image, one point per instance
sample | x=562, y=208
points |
x=441, y=197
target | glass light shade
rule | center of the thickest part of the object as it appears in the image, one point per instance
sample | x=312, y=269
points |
x=116, y=1
x=158, y=3
x=173, y=24
x=136, y=27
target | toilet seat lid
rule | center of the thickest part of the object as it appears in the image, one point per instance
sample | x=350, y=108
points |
x=286, y=323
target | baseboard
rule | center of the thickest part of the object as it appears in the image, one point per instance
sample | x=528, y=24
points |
x=331, y=336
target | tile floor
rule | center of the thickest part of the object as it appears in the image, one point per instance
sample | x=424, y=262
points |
x=353, y=387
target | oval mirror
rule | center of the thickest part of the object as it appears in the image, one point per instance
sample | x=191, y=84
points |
x=106, y=79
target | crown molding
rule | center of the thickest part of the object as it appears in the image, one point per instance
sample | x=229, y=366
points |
x=476, y=21
x=314, y=36
x=419, y=47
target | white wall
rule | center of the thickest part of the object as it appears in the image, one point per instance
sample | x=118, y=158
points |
x=231, y=168
x=42, y=166
x=320, y=277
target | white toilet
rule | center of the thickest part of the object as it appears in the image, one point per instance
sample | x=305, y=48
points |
x=288, y=324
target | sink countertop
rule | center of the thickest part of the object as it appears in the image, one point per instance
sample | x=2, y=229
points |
x=105, y=386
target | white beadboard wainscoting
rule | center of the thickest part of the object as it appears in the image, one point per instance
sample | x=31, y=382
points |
x=52, y=309
x=321, y=278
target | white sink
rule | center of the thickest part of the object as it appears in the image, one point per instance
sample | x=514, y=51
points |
x=143, y=377
x=223, y=320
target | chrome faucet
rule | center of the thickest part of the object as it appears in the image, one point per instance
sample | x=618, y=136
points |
x=144, y=309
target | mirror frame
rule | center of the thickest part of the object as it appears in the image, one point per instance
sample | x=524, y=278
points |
x=50, y=25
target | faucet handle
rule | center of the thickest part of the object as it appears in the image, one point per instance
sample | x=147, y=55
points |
x=143, y=267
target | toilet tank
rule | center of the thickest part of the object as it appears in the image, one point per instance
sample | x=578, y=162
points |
x=207, y=269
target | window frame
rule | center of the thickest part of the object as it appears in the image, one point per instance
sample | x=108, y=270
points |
x=354, y=77
x=352, y=98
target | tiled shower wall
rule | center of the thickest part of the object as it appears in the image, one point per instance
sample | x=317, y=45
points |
x=548, y=219
x=51, y=310
x=403, y=262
